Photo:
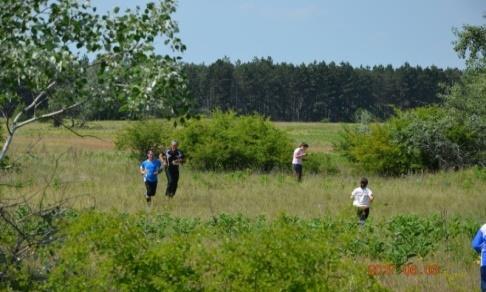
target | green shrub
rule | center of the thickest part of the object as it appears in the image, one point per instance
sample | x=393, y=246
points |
x=414, y=236
x=449, y=136
x=224, y=141
x=363, y=116
x=283, y=256
x=423, y=138
x=143, y=252
x=26, y=242
x=320, y=163
x=230, y=142
x=144, y=135
x=440, y=139
x=117, y=252
x=375, y=150
x=102, y=251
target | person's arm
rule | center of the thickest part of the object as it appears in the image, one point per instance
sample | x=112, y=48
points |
x=478, y=241
x=352, y=195
x=163, y=159
x=300, y=154
x=142, y=169
x=167, y=158
x=371, y=195
x=181, y=157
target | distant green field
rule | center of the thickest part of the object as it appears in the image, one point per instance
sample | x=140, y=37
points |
x=89, y=173
x=320, y=136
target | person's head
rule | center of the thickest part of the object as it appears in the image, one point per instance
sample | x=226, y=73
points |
x=304, y=146
x=150, y=154
x=363, y=182
x=173, y=144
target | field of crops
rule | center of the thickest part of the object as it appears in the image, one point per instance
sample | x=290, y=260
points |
x=243, y=230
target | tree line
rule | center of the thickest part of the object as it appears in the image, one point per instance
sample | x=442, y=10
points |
x=317, y=91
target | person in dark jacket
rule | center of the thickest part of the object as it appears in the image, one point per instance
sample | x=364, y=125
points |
x=173, y=158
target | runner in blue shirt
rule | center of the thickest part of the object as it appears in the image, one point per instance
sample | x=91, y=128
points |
x=150, y=168
x=479, y=245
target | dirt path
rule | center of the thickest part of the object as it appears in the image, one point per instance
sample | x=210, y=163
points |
x=67, y=142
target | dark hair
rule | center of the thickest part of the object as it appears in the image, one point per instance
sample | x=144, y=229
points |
x=364, y=181
x=305, y=145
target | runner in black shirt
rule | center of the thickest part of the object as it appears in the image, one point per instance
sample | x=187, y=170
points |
x=174, y=158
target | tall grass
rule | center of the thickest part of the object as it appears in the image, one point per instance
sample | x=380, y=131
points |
x=109, y=180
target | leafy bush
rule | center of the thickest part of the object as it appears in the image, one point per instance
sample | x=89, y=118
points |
x=224, y=141
x=26, y=238
x=230, y=252
x=320, y=163
x=144, y=135
x=375, y=150
x=442, y=140
x=404, y=237
x=106, y=252
x=229, y=142
x=363, y=116
x=423, y=138
x=145, y=252
x=414, y=236
x=451, y=135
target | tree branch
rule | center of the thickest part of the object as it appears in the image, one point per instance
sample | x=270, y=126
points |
x=38, y=97
x=32, y=104
x=70, y=129
x=55, y=113
x=16, y=126
x=7, y=122
x=4, y=216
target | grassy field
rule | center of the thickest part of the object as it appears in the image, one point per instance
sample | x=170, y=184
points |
x=92, y=171
x=89, y=173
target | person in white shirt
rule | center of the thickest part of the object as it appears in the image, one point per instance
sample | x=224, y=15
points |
x=299, y=154
x=362, y=198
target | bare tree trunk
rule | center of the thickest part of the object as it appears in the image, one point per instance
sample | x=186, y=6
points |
x=15, y=125
x=6, y=144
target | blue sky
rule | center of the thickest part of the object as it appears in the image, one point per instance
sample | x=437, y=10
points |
x=361, y=32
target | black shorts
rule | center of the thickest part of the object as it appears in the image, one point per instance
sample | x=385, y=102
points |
x=151, y=188
x=297, y=168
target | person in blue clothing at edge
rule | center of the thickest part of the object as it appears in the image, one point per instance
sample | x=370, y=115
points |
x=479, y=245
x=150, y=168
